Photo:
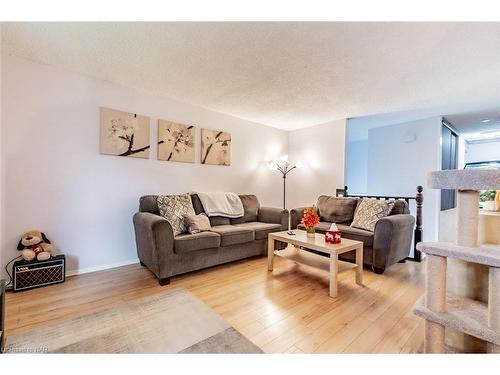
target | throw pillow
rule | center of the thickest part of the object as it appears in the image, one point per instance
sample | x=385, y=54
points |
x=196, y=223
x=336, y=209
x=173, y=208
x=370, y=211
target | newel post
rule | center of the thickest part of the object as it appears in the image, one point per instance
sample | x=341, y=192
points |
x=419, y=198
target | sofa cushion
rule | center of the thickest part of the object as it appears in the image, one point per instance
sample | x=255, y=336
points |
x=400, y=207
x=336, y=209
x=233, y=235
x=261, y=229
x=185, y=243
x=219, y=220
x=198, y=207
x=173, y=208
x=251, y=207
x=369, y=211
x=357, y=234
x=147, y=203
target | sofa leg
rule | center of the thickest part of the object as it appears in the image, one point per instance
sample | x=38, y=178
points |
x=142, y=264
x=164, y=281
x=378, y=271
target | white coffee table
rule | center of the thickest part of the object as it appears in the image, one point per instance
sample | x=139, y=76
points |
x=332, y=264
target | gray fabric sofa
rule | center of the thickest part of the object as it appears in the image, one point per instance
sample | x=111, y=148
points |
x=389, y=243
x=167, y=255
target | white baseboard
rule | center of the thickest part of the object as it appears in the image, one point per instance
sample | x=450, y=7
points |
x=101, y=268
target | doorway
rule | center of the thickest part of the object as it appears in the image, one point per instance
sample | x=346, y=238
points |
x=449, y=157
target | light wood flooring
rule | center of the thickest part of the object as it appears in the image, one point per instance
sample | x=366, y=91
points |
x=286, y=311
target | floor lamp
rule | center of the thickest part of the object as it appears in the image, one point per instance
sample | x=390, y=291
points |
x=284, y=166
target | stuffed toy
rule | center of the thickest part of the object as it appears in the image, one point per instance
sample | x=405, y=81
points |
x=34, y=244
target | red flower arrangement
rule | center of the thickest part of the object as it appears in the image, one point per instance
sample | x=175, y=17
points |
x=310, y=218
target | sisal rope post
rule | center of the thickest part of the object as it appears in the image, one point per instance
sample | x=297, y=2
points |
x=467, y=217
x=435, y=300
x=494, y=306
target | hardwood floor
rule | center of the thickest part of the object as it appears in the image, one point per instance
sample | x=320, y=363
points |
x=287, y=311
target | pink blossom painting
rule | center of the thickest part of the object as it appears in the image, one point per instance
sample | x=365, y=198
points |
x=215, y=147
x=124, y=134
x=175, y=141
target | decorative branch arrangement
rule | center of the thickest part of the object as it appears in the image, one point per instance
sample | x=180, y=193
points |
x=215, y=147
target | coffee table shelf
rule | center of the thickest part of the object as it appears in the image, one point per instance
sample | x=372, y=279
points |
x=312, y=260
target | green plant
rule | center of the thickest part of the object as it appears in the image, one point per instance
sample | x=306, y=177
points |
x=487, y=195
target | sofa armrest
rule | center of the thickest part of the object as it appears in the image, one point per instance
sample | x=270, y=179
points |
x=296, y=215
x=392, y=239
x=274, y=215
x=154, y=238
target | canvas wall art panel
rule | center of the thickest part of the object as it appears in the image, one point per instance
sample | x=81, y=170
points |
x=176, y=141
x=215, y=147
x=124, y=134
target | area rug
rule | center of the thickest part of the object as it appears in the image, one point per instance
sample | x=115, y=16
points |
x=171, y=322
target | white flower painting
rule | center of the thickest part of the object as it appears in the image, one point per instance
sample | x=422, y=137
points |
x=175, y=141
x=124, y=134
x=215, y=147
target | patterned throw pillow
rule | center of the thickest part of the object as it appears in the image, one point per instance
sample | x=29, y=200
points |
x=173, y=208
x=370, y=211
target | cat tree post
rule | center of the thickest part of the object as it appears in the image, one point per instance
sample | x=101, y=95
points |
x=471, y=311
x=467, y=217
x=435, y=300
x=467, y=235
x=494, y=306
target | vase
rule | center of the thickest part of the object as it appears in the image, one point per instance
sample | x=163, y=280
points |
x=311, y=232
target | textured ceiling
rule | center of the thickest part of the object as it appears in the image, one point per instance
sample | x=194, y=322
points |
x=287, y=75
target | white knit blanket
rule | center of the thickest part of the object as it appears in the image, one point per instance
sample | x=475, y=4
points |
x=221, y=204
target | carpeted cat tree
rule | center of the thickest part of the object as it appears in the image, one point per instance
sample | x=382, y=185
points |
x=477, y=318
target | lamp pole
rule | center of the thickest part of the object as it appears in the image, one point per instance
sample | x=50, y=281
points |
x=284, y=191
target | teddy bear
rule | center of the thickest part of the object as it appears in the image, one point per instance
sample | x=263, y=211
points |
x=35, y=244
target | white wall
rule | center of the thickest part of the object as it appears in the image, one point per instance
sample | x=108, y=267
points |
x=462, y=151
x=399, y=158
x=57, y=181
x=357, y=167
x=486, y=151
x=2, y=270
x=321, y=148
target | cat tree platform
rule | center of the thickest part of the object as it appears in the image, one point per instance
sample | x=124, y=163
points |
x=464, y=179
x=463, y=314
x=441, y=310
x=488, y=255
